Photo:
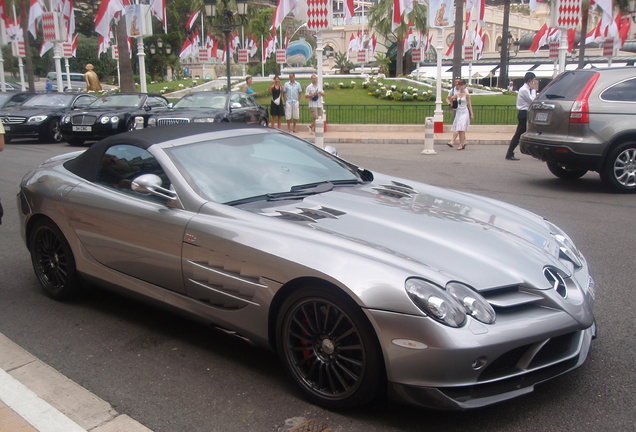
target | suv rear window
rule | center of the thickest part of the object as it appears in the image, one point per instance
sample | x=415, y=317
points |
x=623, y=92
x=567, y=86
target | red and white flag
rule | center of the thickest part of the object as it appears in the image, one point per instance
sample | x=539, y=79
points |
x=400, y=8
x=282, y=10
x=349, y=11
x=192, y=19
x=108, y=10
x=540, y=39
x=36, y=9
x=187, y=49
x=158, y=8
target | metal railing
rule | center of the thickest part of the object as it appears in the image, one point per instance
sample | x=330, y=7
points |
x=409, y=114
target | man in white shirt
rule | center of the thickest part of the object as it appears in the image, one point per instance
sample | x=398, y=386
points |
x=527, y=94
x=314, y=94
x=292, y=90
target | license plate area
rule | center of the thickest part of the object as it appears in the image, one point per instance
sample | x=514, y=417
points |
x=541, y=117
x=82, y=129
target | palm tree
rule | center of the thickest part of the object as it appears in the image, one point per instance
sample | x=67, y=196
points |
x=380, y=20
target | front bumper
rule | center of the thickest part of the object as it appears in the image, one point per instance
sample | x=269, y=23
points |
x=23, y=130
x=97, y=131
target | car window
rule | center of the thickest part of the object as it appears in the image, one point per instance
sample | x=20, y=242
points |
x=236, y=168
x=621, y=92
x=154, y=101
x=84, y=101
x=50, y=100
x=566, y=86
x=122, y=163
x=118, y=101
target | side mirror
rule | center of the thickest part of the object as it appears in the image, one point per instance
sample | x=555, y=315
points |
x=150, y=184
x=147, y=108
x=331, y=150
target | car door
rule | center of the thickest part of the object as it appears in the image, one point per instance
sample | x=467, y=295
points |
x=239, y=113
x=138, y=235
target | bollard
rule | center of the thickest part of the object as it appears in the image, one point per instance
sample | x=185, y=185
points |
x=320, y=133
x=429, y=137
x=139, y=122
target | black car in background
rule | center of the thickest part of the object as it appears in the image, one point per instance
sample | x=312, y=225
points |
x=11, y=99
x=111, y=114
x=213, y=107
x=40, y=115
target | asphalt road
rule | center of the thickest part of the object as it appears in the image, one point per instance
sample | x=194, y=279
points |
x=174, y=374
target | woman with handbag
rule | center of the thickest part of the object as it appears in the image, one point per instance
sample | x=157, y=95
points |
x=277, y=106
x=463, y=115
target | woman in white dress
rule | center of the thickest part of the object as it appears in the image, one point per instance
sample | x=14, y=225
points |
x=463, y=115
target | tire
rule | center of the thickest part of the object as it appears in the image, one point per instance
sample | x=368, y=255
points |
x=75, y=142
x=263, y=122
x=619, y=170
x=53, y=261
x=130, y=126
x=330, y=349
x=53, y=134
x=565, y=173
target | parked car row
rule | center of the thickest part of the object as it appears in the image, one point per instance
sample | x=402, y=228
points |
x=80, y=117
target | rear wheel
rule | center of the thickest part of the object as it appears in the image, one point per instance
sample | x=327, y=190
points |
x=564, y=172
x=263, y=122
x=53, y=261
x=329, y=348
x=619, y=171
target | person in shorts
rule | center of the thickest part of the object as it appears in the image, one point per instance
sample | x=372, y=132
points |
x=292, y=104
x=315, y=95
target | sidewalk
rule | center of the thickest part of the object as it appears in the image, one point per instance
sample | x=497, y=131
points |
x=405, y=134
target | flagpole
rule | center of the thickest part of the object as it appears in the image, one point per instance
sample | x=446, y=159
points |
x=438, y=117
x=202, y=46
x=20, y=63
x=262, y=57
x=3, y=84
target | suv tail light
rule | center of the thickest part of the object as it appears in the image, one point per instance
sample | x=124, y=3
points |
x=580, y=108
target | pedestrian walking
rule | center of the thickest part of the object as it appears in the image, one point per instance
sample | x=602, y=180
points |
x=314, y=94
x=452, y=104
x=292, y=104
x=527, y=94
x=277, y=106
x=49, y=86
x=463, y=114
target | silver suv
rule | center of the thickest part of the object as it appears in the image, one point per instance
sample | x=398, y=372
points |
x=585, y=120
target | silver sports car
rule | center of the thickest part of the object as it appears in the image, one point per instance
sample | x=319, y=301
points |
x=365, y=284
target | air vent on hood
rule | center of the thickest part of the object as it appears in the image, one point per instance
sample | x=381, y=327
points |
x=396, y=189
x=306, y=214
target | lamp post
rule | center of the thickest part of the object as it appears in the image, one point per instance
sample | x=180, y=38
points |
x=162, y=51
x=228, y=24
x=508, y=43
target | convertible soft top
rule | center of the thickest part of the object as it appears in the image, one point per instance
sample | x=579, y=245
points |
x=86, y=165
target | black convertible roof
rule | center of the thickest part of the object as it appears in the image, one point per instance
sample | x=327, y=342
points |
x=86, y=165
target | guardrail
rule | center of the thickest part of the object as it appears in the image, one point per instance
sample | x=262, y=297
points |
x=409, y=114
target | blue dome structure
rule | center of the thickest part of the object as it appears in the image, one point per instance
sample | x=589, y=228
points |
x=298, y=52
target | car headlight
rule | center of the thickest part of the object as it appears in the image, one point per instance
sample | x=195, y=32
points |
x=436, y=302
x=37, y=119
x=203, y=120
x=474, y=304
x=152, y=121
x=114, y=119
x=66, y=119
x=104, y=119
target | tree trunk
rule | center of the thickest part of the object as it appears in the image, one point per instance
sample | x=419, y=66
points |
x=126, y=81
x=399, y=58
x=459, y=27
x=585, y=14
x=28, y=62
x=502, y=82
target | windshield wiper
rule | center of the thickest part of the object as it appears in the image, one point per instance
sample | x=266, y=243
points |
x=301, y=191
x=554, y=96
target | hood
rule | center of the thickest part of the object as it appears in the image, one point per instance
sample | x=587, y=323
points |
x=424, y=229
x=101, y=111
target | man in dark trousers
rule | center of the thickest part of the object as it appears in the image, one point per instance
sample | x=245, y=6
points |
x=527, y=93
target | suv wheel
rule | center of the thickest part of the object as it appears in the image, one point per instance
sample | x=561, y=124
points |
x=564, y=172
x=619, y=171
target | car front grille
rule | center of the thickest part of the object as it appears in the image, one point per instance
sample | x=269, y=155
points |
x=13, y=120
x=171, y=121
x=83, y=120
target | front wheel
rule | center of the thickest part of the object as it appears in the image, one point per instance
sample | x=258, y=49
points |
x=263, y=122
x=564, y=172
x=53, y=261
x=330, y=349
x=619, y=171
x=52, y=132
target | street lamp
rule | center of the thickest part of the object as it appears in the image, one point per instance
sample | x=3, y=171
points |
x=228, y=24
x=509, y=43
x=162, y=51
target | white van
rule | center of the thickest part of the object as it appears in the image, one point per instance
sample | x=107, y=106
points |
x=77, y=81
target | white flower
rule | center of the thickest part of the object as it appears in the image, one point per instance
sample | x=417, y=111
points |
x=389, y=93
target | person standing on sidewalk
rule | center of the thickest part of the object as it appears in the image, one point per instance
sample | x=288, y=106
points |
x=527, y=94
x=292, y=104
x=463, y=115
x=314, y=94
x=452, y=104
x=277, y=106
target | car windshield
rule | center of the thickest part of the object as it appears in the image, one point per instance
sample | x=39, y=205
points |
x=50, y=100
x=118, y=101
x=201, y=100
x=267, y=166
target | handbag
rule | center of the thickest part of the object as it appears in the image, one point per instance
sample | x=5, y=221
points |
x=315, y=98
x=455, y=103
x=277, y=100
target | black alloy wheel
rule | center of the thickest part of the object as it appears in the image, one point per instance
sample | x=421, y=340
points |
x=53, y=261
x=329, y=348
